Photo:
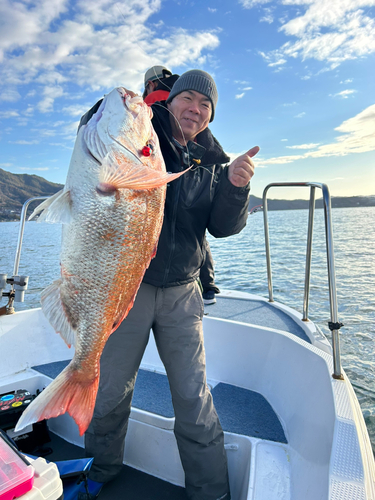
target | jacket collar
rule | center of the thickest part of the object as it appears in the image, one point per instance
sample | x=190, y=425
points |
x=214, y=152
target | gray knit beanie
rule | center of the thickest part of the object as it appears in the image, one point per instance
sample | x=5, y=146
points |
x=197, y=80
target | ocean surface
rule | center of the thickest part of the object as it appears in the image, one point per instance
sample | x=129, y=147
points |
x=240, y=264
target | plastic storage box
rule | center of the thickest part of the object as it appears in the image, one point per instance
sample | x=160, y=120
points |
x=16, y=473
x=47, y=482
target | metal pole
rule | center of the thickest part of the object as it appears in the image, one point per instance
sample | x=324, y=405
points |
x=334, y=325
x=21, y=230
x=267, y=242
x=308, y=254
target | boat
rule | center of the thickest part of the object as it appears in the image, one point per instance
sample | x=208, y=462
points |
x=293, y=425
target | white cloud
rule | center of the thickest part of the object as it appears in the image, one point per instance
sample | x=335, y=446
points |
x=47, y=133
x=76, y=110
x=24, y=142
x=40, y=169
x=349, y=80
x=268, y=18
x=97, y=43
x=357, y=135
x=244, y=90
x=273, y=60
x=50, y=94
x=29, y=110
x=8, y=114
x=331, y=32
x=211, y=10
x=300, y=115
x=345, y=93
x=10, y=95
x=61, y=145
x=249, y=4
x=304, y=146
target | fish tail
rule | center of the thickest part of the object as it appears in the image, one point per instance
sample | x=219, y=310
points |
x=66, y=393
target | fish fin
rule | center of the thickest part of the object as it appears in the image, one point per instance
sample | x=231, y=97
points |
x=54, y=311
x=45, y=204
x=66, y=393
x=56, y=209
x=137, y=177
x=123, y=313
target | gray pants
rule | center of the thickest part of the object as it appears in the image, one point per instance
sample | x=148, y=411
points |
x=175, y=315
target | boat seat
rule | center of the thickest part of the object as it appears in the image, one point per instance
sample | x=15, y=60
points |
x=241, y=411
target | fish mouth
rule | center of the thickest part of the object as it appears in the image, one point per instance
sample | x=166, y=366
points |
x=133, y=102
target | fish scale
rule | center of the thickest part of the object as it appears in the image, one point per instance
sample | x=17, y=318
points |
x=112, y=210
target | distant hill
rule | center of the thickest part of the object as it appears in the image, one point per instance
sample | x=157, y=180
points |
x=336, y=202
x=15, y=189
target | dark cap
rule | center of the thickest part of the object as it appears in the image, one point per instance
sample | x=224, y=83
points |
x=197, y=80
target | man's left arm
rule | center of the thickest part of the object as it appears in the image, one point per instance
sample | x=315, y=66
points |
x=230, y=207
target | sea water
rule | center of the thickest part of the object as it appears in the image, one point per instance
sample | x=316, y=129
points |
x=240, y=264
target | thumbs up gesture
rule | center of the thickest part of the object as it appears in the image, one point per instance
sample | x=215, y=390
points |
x=241, y=169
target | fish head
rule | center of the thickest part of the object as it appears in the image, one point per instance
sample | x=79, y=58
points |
x=122, y=127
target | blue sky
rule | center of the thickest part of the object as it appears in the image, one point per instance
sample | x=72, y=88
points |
x=295, y=77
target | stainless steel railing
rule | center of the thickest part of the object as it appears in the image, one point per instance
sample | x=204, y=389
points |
x=334, y=325
x=21, y=230
x=18, y=283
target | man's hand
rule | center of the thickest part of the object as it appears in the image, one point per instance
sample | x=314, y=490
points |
x=241, y=169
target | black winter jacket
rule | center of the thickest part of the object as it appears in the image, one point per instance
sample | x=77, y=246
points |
x=203, y=198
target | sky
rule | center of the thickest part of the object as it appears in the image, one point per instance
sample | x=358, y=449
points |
x=295, y=77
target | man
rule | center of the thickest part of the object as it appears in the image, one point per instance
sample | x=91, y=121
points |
x=209, y=196
x=158, y=84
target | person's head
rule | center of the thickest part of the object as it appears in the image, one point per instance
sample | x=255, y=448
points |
x=153, y=77
x=192, y=101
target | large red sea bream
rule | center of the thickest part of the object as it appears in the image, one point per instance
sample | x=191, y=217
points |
x=112, y=211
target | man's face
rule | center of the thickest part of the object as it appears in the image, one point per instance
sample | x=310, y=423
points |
x=150, y=87
x=191, y=113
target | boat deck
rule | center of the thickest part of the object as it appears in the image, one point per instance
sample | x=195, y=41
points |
x=241, y=411
x=255, y=312
x=131, y=484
